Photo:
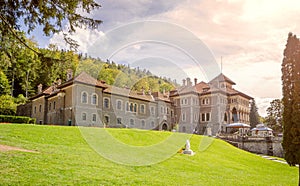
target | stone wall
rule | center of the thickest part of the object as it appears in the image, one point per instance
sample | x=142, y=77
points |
x=268, y=146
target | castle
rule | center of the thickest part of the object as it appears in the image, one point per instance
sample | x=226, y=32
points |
x=202, y=108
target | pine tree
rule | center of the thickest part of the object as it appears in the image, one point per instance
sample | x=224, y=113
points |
x=254, y=116
x=291, y=101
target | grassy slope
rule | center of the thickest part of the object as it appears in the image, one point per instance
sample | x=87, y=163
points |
x=65, y=158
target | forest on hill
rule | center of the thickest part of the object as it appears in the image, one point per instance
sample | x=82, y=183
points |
x=23, y=68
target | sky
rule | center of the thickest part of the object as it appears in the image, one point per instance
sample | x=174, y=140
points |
x=248, y=35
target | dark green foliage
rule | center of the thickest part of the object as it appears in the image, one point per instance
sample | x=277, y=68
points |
x=48, y=14
x=16, y=119
x=291, y=101
x=274, y=117
x=254, y=116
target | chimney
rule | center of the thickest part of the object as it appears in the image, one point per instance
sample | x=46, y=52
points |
x=69, y=74
x=195, y=81
x=183, y=82
x=189, y=83
x=40, y=88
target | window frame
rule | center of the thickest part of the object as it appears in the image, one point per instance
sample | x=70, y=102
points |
x=131, y=122
x=143, y=108
x=119, y=121
x=94, y=116
x=83, y=116
x=104, y=103
x=84, y=99
x=117, y=104
x=96, y=99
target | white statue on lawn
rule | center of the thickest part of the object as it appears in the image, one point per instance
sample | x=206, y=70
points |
x=187, y=145
x=188, y=148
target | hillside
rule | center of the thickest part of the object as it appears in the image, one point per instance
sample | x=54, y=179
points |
x=62, y=157
x=121, y=75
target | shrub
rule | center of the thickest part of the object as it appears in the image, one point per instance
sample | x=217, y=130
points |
x=7, y=105
x=16, y=119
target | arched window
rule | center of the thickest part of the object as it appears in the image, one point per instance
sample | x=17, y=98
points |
x=106, y=103
x=119, y=104
x=127, y=106
x=94, y=99
x=135, y=107
x=234, y=115
x=142, y=109
x=83, y=97
x=131, y=107
x=152, y=124
x=106, y=120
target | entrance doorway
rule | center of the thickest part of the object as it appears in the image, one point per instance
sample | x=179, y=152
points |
x=164, y=126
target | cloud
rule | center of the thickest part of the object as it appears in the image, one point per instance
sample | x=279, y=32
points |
x=84, y=37
x=249, y=34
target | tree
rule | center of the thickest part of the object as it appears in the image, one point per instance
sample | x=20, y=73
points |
x=50, y=15
x=274, y=115
x=291, y=101
x=4, y=84
x=254, y=116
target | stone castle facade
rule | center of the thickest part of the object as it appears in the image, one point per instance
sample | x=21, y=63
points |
x=203, y=108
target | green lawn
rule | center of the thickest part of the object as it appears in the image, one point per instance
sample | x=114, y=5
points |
x=65, y=158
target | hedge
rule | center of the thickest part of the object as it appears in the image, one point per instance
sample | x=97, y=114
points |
x=16, y=119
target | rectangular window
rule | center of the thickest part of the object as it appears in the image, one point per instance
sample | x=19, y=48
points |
x=143, y=123
x=84, y=116
x=131, y=122
x=119, y=121
x=183, y=117
x=54, y=105
x=40, y=108
x=202, y=117
x=207, y=116
x=49, y=106
x=94, y=118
